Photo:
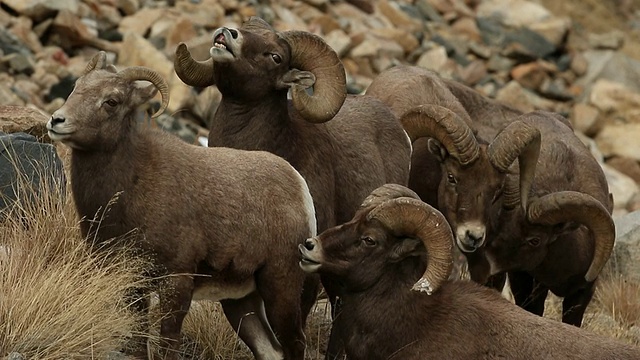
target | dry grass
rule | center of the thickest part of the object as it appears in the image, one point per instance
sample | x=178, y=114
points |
x=614, y=311
x=208, y=335
x=57, y=300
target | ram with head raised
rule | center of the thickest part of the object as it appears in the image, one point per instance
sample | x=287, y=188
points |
x=343, y=145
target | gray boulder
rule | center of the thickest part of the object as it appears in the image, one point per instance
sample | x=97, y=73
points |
x=626, y=254
x=27, y=167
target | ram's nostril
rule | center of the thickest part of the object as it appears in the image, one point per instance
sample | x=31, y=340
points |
x=234, y=33
x=309, y=244
x=476, y=238
x=57, y=119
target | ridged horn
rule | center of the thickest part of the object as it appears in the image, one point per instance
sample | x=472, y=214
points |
x=142, y=73
x=387, y=192
x=190, y=71
x=565, y=206
x=310, y=53
x=445, y=126
x=414, y=218
x=522, y=141
x=98, y=61
x=511, y=192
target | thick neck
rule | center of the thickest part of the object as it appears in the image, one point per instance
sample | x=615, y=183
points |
x=97, y=177
x=242, y=122
x=394, y=305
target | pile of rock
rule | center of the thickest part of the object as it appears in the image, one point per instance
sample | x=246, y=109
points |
x=512, y=50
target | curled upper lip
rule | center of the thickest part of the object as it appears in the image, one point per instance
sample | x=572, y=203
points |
x=220, y=38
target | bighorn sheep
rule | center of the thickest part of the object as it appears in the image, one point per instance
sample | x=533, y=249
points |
x=221, y=223
x=360, y=148
x=562, y=238
x=413, y=86
x=395, y=240
x=344, y=146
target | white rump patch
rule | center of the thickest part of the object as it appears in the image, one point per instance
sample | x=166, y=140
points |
x=308, y=204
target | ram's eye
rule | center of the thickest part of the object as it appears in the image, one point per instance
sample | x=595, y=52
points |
x=367, y=240
x=451, y=179
x=533, y=241
x=276, y=58
x=111, y=102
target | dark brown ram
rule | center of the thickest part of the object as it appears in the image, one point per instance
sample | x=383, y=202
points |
x=413, y=86
x=344, y=146
x=561, y=239
x=218, y=223
x=397, y=244
x=479, y=140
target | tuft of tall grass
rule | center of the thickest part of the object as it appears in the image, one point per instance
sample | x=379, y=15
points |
x=619, y=297
x=58, y=298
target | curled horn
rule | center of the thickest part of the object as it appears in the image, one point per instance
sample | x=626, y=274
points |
x=190, y=71
x=518, y=140
x=414, y=218
x=565, y=206
x=310, y=53
x=387, y=192
x=445, y=126
x=98, y=61
x=135, y=73
x=511, y=192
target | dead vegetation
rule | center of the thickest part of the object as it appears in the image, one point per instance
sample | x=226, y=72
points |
x=60, y=301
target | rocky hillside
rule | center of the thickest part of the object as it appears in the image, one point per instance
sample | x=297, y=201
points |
x=516, y=51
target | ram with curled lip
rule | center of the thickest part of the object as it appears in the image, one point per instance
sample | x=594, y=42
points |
x=343, y=145
x=217, y=223
x=394, y=258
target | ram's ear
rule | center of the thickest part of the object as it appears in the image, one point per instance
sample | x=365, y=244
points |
x=405, y=248
x=305, y=79
x=436, y=148
x=143, y=94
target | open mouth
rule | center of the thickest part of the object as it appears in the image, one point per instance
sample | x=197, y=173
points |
x=221, y=43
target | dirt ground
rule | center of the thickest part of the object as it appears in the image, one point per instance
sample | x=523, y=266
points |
x=601, y=16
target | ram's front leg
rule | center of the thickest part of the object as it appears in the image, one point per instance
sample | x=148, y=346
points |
x=574, y=305
x=175, y=299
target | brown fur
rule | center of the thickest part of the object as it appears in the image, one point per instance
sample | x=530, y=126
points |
x=475, y=191
x=564, y=252
x=227, y=214
x=343, y=159
x=413, y=86
x=383, y=319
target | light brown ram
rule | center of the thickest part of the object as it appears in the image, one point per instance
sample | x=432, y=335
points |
x=218, y=223
x=394, y=257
